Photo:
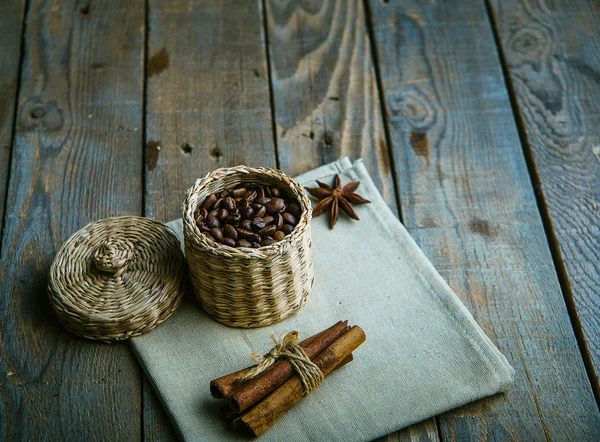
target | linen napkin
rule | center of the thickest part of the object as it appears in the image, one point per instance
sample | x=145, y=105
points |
x=424, y=353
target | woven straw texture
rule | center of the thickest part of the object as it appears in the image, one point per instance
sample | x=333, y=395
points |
x=243, y=287
x=117, y=278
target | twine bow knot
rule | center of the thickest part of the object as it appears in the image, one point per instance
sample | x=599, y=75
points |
x=286, y=347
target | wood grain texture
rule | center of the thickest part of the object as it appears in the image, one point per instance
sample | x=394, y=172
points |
x=207, y=107
x=76, y=159
x=553, y=57
x=11, y=23
x=468, y=201
x=326, y=103
x=325, y=95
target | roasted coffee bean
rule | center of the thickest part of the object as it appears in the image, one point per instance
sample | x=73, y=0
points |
x=263, y=200
x=234, y=220
x=218, y=203
x=287, y=229
x=223, y=193
x=247, y=224
x=214, y=213
x=267, y=191
x=268, y=219
x=243, y=243
x=208, y=235
x=250, y=196
x=228, y=242
x=276, y=192
x=247, y=212
x=237, y=193
x=267, y=231
x=255, y=245
x=229, y=203
x=203, y=227
x=267, y=241
x=289, y=219
x=199, y=219
x=278, y=221
x=278, y=236
x=209, y=201
x=276, y=205
x=262, y=211
x=245, y=185
x=260, y=192
x=213, y=222
x=223, y=213
x=216, y=233
x=294, y=209
x=258, y=223
x=204, y=213
x=230, y=232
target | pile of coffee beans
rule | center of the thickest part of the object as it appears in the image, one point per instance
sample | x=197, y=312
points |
x=248, y=215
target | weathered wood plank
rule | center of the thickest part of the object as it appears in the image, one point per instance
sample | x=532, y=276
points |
x=468, y=201
x=207, y=107
x=326, y=102
x=11, y=23
x=324, y=90
x=77, y=157
x=553, y=59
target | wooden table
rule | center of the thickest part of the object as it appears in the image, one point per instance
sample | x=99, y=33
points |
x=479, y=121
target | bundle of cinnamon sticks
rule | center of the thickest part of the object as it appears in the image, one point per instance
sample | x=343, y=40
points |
x=254, y=404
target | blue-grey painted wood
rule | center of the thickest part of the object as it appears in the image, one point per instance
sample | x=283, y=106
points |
x=326, y=101
x=468, y=200
x=77, y=157
x=11, y=23
x=207, y=107
x=553, y=59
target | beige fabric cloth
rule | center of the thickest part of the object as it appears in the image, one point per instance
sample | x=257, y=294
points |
x=424, y=352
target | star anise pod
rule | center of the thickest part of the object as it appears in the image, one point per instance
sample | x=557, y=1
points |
x=335, y=197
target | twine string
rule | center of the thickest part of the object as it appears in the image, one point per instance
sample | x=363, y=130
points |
x=286, y=347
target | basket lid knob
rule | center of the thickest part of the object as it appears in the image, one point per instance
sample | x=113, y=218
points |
x=114, y=255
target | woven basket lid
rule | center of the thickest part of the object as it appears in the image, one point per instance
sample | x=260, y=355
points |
x=117, y=278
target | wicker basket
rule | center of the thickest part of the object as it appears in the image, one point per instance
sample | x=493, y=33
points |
x=243, y=287
x=117, y=278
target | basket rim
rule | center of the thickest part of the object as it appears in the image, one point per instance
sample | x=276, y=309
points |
x=193, y=233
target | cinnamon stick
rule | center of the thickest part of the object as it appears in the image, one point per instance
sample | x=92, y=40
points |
x=224, y=386
x=264, y=414
x=229, y=415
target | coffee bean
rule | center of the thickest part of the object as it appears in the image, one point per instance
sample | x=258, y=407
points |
x=250, y=196
x=243, y=243
x=287, y=229
x=244, y=185
x=267, y=231
x=237, y=193
x=223, y=214
x=268, y=219
x=278, y=221
x=203, y=227
x=267, y=241
x=276, y=192
x=234, y=219
x=208, y=235
x=199, y=219
x=260, y=192
x=228, y=242
x=255, y=245
x=258, y=223
x=263, y=200
x=278, y=236
x=209, y=201
x=267, y=191
x=247, y=212
x=213, y=222
x=275, y=205
x=230, y=232
x=246, y=234
x=213, y=213
x=262, y=211
x=294, y=209
x=218, y=203
x=247, y=224
x=229, y=203
x=216, y=233
x=289, y=219
x=223, y=193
